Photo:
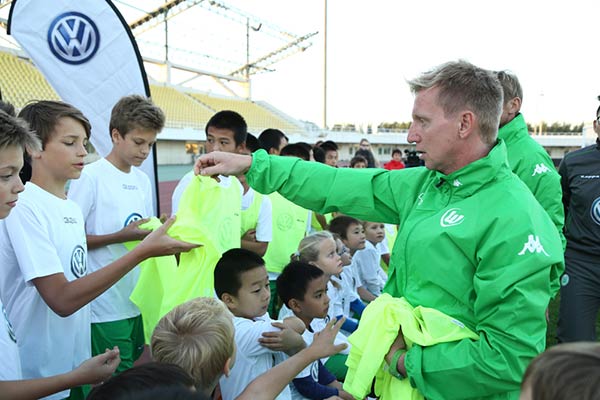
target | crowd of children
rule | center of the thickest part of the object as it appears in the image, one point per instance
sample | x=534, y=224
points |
x=289, y=286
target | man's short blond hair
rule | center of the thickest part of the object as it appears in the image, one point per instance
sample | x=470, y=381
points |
x=198, y=336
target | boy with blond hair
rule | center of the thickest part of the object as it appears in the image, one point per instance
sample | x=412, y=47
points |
x=134, y=123
x=199, y=337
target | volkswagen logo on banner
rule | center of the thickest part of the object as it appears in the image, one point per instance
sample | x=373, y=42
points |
x=73, y=38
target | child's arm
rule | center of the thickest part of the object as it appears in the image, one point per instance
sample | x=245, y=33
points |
x=94, y=370
x=268, y=385
x=249, y=242
x=288, y=339
x=65, y=298
x=129, y=233
x=365, y=295
x=341, y=392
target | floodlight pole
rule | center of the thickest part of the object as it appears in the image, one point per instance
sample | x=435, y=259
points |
x=325, y=68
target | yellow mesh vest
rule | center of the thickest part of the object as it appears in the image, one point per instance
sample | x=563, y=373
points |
x=377, y=330
x=289, y=227
x=250, y=215
x=163, y=284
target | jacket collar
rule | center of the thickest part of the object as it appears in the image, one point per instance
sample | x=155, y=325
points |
x=473, y=176
x=515, y=128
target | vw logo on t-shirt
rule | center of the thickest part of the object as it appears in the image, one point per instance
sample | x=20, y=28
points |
x=595, y=211
x=73, y=38
x=78, y=262
x=132, y=218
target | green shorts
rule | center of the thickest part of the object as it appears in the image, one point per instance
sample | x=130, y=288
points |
x=80, y=392
x=127, y=334
x=336, y=364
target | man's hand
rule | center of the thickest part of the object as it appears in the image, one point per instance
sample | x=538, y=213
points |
x=398, y=344
x=97, y=369
x=287, y=340
x=220, y=163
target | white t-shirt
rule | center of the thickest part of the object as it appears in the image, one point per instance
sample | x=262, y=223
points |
x=110, y=199
x=264, y=225
x=44, y=235
x=366, y=265
x=10, y=364
x=251, y=359
x=311, y=369
x=224, y=182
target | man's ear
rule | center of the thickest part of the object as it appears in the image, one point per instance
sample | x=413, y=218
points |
x=466, y=124
x=514, y=105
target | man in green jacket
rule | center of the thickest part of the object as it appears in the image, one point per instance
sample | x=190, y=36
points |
x=473, y=241
x=526, y=157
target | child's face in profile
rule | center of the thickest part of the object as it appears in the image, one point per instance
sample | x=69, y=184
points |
x=355, y=237
x=221, y=140
x=253, y=298
x=344, y=253
x=316, y=302
x=375, y=232
x=329, y=260
x=11, y=162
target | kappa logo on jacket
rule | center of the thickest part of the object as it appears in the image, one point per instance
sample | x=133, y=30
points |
x=540, y=169
x=451, y=218
x=533, y=245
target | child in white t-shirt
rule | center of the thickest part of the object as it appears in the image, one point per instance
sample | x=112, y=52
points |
x=302, y=287
x=242, y=283
x=257, y=212
x=43, y=251
x=115, y=198
x=15, y=138
x=367, y=261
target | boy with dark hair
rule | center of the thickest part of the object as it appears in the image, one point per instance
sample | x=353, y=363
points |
x=134, y=123
x=242, y=283
x=396, y=161
x=352, y=233
x=43, y=251
x=331, y=152
x=303, y=289
x=225, y=131
x=257, y=212
x=296, y=150
x=273, y=140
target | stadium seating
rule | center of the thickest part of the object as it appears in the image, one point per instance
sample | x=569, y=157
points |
x=21, y=82
x=258, y=118
x=181, y=111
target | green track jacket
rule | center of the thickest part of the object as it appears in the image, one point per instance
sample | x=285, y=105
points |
x=474, y=244
x=528, y=159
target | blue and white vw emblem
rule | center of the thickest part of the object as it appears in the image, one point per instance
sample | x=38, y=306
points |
x=78, y=262
x=595, y=211
x=132, y=218
x=73, y=38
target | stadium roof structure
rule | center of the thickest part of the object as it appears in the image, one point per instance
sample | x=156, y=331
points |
x=210, y=45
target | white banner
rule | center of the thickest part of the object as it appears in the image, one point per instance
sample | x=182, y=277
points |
x=87, y=53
